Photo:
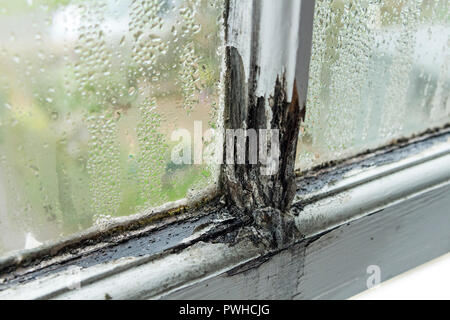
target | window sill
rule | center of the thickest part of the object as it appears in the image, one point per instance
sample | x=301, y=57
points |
x=389, y=209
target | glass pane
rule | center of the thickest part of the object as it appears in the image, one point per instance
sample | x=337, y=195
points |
x=379, y=71
x=90, y=94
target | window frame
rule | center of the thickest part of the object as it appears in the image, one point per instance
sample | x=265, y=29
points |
x=214, y=253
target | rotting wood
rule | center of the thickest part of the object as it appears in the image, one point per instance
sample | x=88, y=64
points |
x=264, y=55
x=231, y=232
x=266, y=197
x=333, y=264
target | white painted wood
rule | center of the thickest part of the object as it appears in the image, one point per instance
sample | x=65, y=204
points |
x=137, y=278
x=363, y=175
x=375, y=191
x=240, y=30
x=335, y=265
x=275, y=36
x=397, y=221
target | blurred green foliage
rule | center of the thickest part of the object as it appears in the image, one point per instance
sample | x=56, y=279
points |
x=48, y=155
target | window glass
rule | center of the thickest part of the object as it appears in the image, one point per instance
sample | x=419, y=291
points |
x=91, y=93
x=379, y=71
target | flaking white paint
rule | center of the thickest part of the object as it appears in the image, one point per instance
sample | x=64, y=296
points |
x=268, y=31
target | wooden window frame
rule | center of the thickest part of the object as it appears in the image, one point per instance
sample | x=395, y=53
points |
x=309, y=236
